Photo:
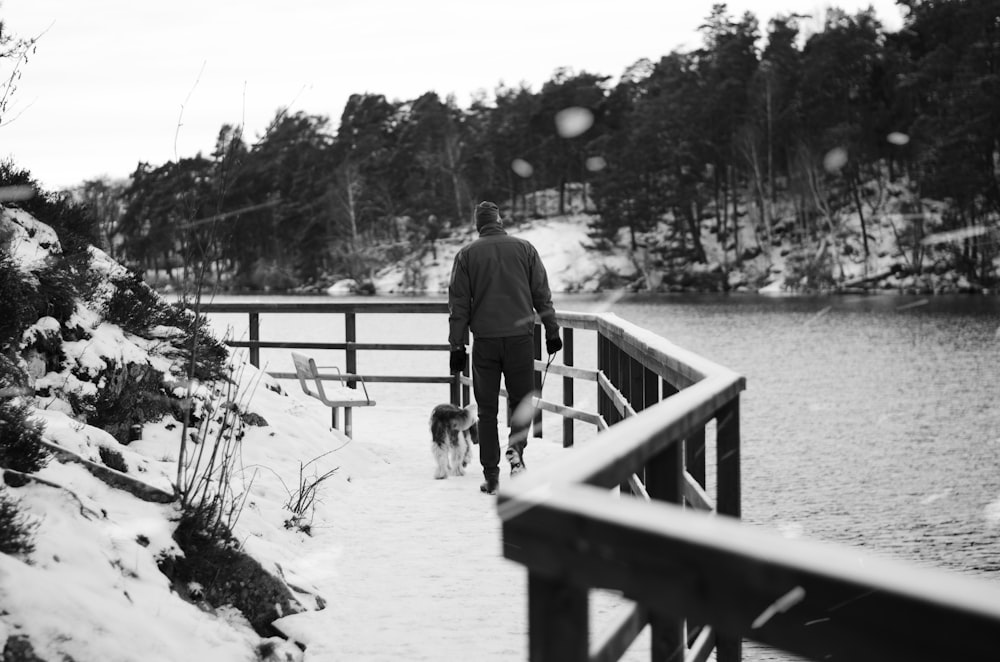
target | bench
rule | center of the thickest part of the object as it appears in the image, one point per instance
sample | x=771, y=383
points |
x=339, y=395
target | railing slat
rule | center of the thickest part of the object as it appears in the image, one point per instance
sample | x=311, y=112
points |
x=568, y=384
x=612, y=646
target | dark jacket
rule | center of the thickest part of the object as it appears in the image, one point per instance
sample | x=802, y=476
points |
x=498, y=282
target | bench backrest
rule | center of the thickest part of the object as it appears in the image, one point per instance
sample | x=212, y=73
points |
x=305, y=369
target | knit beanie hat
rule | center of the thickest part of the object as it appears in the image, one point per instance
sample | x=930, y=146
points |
x=486, y=212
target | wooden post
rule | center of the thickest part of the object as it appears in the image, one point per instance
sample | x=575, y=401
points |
x=727, y=454
x=466, y=397
x=665, y=481
x=537, y=427
x=603, y=360
x=694, y=456
x=255, y=339
x=558, y=621
x=637, y=385
x=728, y=648
x=613, y=374
x=350, y=337
x=567, y=386
x=455, y=396
x=650, y=387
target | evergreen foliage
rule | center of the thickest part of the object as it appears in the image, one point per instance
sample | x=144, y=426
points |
x=720, y=133
x=137, y=308
x=17, y=303
x=75, y=223
x=20, y=449
x=16, y=530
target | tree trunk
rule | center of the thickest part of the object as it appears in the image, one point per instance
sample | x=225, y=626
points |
x=855, y=192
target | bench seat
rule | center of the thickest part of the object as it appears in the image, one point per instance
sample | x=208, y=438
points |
x=337, y=394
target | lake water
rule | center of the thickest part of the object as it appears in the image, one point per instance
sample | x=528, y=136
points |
x=872, y=421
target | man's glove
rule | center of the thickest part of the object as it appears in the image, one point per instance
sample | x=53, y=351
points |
x=459, y=357
x=553, y=344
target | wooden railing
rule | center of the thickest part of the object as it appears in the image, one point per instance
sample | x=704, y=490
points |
x=619, y=513
x=626, y=511
x=350, y=345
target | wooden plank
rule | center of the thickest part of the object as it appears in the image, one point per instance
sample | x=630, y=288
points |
x=583, y=321
x=694, y=455
x=623, y=448
x=822, y=601
x=637, y=487
x=568, y=412
x=612, y=646
x=680, y=366
x=254, y=341
x=568, y=384
x=585, y=374
x=701, y=649
x=292, y=344
x=621, y=404
x=727, y=451
x=728, y=500
x=416, y=307
x=536, y=423
x=557, y=620
x=664, y=481
x=695, y=495
x=396, y=379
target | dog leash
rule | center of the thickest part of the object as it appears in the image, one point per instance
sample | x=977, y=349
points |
x=545, y=374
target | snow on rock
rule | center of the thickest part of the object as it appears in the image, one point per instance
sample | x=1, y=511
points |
x=31, y=242
x=345, y=286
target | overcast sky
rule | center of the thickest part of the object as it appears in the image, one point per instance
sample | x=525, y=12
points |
x=116, y=82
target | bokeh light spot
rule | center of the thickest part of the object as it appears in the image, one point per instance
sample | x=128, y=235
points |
x=573, y=121
x=521, y=168
x=898, y=138
x=835, y=159
x=595, y=163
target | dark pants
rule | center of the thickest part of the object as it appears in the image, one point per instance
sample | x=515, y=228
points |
x=514, y=358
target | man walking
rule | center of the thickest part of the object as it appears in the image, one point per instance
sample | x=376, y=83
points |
x=498, y=282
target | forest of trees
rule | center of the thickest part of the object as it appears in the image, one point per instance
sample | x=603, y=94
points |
x=747, y=118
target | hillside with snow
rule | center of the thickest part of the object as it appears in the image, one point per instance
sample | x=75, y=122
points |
x=773, y=262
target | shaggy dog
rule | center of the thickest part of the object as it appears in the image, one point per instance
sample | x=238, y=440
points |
x=452, y=429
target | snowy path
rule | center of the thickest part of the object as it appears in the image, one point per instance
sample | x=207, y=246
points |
x=412, y=567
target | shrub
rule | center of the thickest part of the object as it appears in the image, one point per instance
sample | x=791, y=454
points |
x=213, y=560
x=60, y=284
x=113, y=459
x=210, y=354
x=16, y=530
x=74, y=223
x=19, y=439
x=136, y=308
x=133, y=394
x=17, y=303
